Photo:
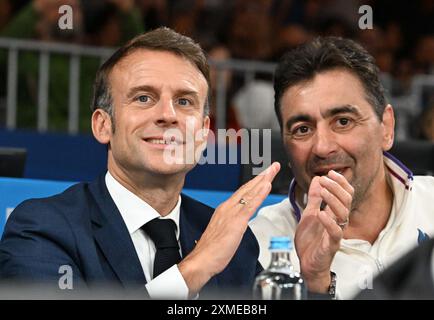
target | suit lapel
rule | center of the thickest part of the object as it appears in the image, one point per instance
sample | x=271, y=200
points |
x=193, y=220
x=189, y=235
x=113, y=237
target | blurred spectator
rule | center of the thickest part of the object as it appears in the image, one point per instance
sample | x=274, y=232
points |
x=219, y=53
x=302, y=13
x=155, y=13
x=427, y=124
x=371, y=39
x=290, y=37
x=39, y=20
x=184, y=15
x=403, y=74
x=284, y=12
x=393, y=38
x=346, y=11
x=252, y=30
x=311, y=13
x=423, y=17
x=402, y=40
x=110, y=23
x=337, y=18
x=335, y=26
x=424, y=54
x=8, y=8
x=5, y=12
x=207, y=21
x=384, y=60
x=254, y=105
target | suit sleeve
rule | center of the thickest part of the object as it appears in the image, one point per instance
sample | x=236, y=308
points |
x=38, y=248
x=259, y=268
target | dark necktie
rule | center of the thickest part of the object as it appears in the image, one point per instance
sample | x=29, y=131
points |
x=163, y=234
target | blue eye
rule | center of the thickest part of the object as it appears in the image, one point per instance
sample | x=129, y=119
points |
x=143, y=98
x=183, y=102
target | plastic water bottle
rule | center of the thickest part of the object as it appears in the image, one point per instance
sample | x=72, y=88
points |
x=280, y=281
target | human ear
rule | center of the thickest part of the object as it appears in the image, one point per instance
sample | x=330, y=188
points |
x=206, y=124
x=388, y=127
x=101, y=126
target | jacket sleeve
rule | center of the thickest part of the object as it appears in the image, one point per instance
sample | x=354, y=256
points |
x=38, y=249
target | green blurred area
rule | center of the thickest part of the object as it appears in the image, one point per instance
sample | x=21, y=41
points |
x=24, y=26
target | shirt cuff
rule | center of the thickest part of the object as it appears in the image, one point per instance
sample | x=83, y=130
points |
x=168, y=285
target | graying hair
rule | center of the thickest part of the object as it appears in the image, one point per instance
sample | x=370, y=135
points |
x=161, y=39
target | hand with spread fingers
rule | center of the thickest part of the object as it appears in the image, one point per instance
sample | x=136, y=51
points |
x=225, y=230
x=319, y=232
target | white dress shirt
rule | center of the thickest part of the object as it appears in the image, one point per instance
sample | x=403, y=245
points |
x=135, y=213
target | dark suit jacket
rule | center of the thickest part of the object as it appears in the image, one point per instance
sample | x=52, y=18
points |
x=82, y=228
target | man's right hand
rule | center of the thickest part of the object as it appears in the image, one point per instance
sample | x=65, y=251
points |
x=225, y=230
x=318, y=234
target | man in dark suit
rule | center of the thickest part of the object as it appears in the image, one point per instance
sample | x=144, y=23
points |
x=124, y=229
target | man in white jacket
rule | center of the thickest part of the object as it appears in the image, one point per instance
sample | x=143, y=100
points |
x=337, y=128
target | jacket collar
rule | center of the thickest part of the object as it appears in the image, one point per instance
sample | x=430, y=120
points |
x=193, y=220
x=113, y=237
x=398, y=170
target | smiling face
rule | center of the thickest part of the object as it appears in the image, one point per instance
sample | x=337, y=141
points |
x=153, y=93
x=329, y=124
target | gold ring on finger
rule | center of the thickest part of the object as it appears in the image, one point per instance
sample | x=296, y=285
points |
x=242, y=201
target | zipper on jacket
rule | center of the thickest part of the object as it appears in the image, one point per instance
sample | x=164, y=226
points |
x=379, y=264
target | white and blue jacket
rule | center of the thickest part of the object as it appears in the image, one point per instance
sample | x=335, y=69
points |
x=357, y=262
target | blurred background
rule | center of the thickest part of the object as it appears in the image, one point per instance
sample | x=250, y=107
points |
x=46, y=73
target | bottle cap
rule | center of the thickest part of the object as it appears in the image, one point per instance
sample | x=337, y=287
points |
x=280, y=243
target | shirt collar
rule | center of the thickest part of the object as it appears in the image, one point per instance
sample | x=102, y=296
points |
x=134, y=211
x=398, y=172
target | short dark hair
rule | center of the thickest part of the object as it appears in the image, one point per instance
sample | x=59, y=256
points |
x=161, y=39
x=323, y=54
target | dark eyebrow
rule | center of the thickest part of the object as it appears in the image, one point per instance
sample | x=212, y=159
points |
x=187, y=93
x=133, y=91
x=342, y=109
x=298, y=118
x=328, y=114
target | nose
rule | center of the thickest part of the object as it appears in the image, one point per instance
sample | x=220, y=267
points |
x=166, y=113
x=324, y=143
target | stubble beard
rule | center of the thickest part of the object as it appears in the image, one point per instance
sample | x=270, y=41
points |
x=361, y=191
